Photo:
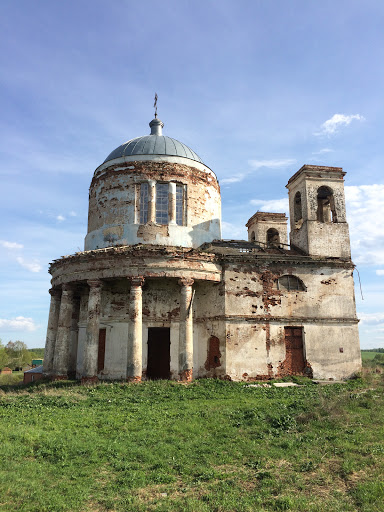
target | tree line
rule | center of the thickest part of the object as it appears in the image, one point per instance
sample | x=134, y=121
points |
x=16, y=355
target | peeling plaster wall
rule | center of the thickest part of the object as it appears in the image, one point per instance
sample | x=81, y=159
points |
x=257, y=312
x=323, y=343
x=113, y=217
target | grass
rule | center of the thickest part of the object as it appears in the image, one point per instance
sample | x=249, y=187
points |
x=368, y=355
x=12, y=379
x=209, y=446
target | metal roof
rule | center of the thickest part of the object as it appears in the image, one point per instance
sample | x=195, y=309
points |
x=154, y=144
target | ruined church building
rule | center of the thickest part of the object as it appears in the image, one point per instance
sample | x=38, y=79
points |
x=157, y=294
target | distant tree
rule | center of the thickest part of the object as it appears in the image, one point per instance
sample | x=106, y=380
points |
x=37, y=353
x=18, y=354
x=3, y=356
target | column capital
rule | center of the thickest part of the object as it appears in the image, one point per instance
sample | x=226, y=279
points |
x=137, y=280
x=54, y=292
x=186, y=281
x=67, y=288
x=94, y=283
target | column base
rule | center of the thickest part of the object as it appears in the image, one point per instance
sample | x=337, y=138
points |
x=186, y=375
x=58, y=377
x=89, y=380
x=134, y=379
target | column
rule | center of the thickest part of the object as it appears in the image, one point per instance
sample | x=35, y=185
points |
x=53, y=321
x=63, y=336
x=152, y=201
x=172, y=202
x=186, y=330
x=91, y=347
x=135, y=332
x=72, y=362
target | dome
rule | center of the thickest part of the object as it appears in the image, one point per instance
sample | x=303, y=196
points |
x=154, y=144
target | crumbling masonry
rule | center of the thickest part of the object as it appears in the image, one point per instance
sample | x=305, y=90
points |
x=157, y=293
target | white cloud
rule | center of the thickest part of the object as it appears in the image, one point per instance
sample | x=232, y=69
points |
x=323, y=151
x=32, y=266
x=332, y=125
x=380, y=272
x=20, y=323
x=371, y=318
x=365, y=211
x=233, y=179
x=60, y=218
x=273, y=205
x=272, y=164
x=10, y=245
x=233, y=231
x=72, y=214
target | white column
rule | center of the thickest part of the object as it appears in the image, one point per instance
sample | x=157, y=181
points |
x=172, y=202
x=135, y=334
x=152, y=201
x=63, y=336
x=91, y=347
x=53, y=321
x=186, y=330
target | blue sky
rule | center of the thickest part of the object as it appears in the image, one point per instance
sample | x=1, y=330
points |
x=256, y=88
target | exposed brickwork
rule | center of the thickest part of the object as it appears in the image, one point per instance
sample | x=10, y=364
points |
x=214, y=354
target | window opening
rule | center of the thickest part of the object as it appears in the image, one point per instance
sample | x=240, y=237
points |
x=253, y=236
x=144, y=203
x=273, y=237
x=162, y=201
x=290, y=283
x=325, y=205
x=180, y=204
x=297, y=209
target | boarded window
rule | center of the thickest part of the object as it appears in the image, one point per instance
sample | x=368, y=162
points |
x=162, y=203
x=290, y=283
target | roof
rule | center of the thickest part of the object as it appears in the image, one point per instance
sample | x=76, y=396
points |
x=38, y=369
x=154, y=144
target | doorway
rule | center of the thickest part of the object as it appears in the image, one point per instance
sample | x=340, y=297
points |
x=294, y=363
x=159, y=344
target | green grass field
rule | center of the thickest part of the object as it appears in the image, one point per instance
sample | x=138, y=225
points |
x=368, y=356
x=208, y=446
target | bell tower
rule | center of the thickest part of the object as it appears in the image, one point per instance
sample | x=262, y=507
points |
x=317, y=212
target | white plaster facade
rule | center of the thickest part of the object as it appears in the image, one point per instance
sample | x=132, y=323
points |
x=158, y=294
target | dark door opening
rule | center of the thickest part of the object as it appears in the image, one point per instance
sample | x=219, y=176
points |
x=294, y=363
x=159, y=343
x=101, y=350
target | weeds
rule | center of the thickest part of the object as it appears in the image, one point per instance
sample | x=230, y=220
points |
x=212, y=445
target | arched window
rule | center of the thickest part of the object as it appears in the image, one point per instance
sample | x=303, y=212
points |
x=325, y=205
x=297, y=209
x=253, y=237
x=273, y=237
x=290, y=284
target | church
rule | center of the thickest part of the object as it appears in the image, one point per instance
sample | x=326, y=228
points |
x=157, y=294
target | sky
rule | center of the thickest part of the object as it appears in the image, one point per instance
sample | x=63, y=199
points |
x=255, y=88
